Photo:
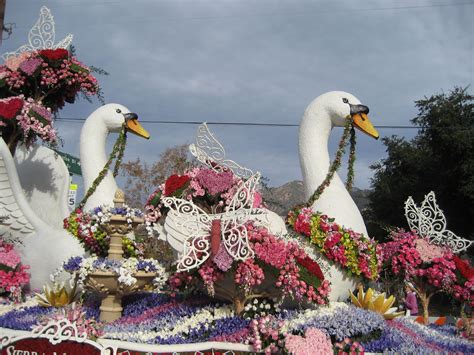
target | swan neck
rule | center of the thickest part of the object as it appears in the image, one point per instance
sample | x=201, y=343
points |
x=93, y=140
x=315, y=129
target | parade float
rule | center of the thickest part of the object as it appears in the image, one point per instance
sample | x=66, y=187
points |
x=242, y=278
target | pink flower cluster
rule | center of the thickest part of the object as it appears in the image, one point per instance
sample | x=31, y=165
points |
x=209, y=275
x=35, y=120
x=273, y=257
x=353, y=251
x=265, y=336
x=284, y=256
x=86, y=326
x=428, y=251
x=249, y=275
x=52, y=76
x=8, y=256
x=314, y=342
x=413, y=258
x=13, y=275
x=212, y=191
x=348, y=347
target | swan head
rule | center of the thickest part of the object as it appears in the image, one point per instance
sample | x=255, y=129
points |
x=342, y=106
x=115, y=116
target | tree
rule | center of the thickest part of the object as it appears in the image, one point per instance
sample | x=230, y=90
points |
x=143, y=178
x=439, y=158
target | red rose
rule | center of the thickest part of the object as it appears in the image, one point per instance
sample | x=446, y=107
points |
x=464, y=268
x=175, y=183
x=312, y=267
x=10, y=107
x=54, y=54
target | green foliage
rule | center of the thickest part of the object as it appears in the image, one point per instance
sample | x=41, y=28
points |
x=439, y=158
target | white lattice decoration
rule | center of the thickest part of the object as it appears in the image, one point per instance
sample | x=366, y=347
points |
x=429, y=221
x=210, y=152
x=196, y=224
x=42, y=36
x=57, y=331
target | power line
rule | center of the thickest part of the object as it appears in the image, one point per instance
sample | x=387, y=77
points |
x=268, y=124
x=270, y=14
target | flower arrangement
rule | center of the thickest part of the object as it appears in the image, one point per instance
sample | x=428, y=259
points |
x=13, y=275
x=34, y=85
x=153, y=318
x=125, y=269
x=87, y=228
x=75, y=314
x=210, y=190
x=278, y=269
x=430, y=268
x=354, y=252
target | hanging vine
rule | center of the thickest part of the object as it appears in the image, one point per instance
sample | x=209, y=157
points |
x=117, y=154
x=335, y=165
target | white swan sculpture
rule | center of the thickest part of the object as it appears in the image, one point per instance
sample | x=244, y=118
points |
x=35, y=216
x=330, y=110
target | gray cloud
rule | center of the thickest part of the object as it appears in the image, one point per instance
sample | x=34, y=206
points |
x=259, y=62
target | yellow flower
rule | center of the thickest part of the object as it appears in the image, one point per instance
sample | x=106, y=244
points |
x=57, y=295
x=375, y=303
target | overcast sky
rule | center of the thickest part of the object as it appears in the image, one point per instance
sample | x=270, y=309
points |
x=259, y=61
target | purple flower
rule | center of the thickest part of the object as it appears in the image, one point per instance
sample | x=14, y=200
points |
x=215, y=182
x=73, y=264
x=146, y=265
x=29, y=66
x=25, y=319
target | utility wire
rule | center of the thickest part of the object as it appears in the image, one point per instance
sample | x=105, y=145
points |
x=269, y=124
x=270, y=14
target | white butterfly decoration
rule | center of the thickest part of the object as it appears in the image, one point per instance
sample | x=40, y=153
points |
x=41, y=36
x=210, y=152
x=197, y=225
x=429, y=221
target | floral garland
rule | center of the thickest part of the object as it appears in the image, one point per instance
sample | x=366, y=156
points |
x=355, y=253
x=125, y=269
x=34, y=86
x=348, y=129
x=86, y=227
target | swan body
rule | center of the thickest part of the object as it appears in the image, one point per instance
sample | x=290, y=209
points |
x=43, y=247
x=35, y=214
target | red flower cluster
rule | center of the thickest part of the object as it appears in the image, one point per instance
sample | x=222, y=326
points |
x=9, y=108
x=466, y=270
x=175, y=183
x=312, y=267
x=54, y=54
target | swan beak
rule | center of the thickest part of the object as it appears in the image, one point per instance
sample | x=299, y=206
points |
x=135, y=127
x=362, y=122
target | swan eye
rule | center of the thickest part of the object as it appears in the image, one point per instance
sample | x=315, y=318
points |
x=346, y=101
x=118, y=110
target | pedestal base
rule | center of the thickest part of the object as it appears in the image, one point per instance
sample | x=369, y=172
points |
x=111, y=308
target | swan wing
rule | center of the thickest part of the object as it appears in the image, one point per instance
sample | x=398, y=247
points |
x=44, y=179
x=20, y=219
